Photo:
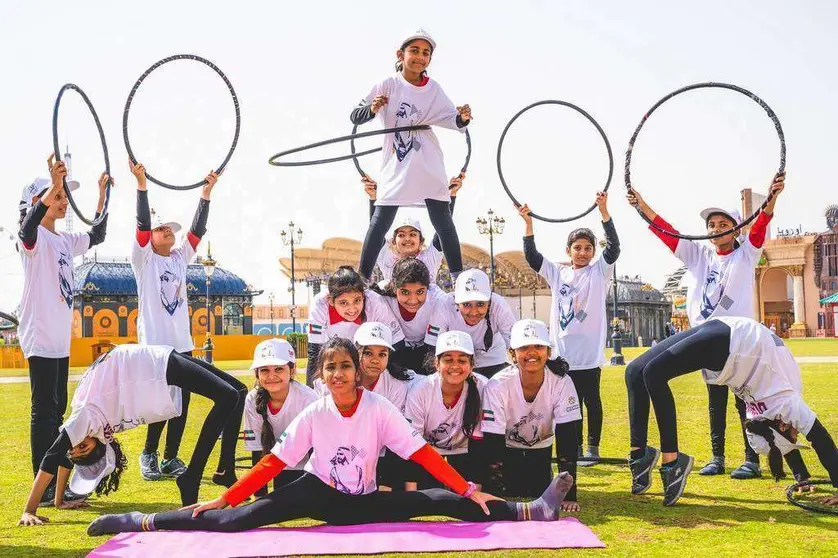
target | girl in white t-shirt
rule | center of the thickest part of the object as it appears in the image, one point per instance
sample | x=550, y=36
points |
x=344, y=431
x=525, y=408
x=485, y=316
x=412, y=168
x=412, y=297
x=755, y=364
x=578, y=323
x=46, y=307
x=127, y=387
x=445, y=408
x=276, y=400
x=720, y=282
x=159, y=268
x=339, y=311
x=407, y=240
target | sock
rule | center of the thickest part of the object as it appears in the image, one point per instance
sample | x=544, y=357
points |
x=224, y=478
x=637, y=454
x=547, y=507
x=593, y=451
x=669, y=464
x=133, y=522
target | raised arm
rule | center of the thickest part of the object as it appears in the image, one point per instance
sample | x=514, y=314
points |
x=612, y=242
x=640, y=204
x=534, y=258
x=98, y=232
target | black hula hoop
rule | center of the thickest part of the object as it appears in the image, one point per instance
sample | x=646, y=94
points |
x=601, y=133
x=463, y=169
x=57, y=150
x=273, y=160
x=718, y=85
x=9, y=318
x=131, y=99
x=790, y=496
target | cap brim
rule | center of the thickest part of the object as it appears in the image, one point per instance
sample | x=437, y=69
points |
x=87, y=477
x=474, y=296
x=369, y=341
x=268, y=362
x=424, y=38
x=531, y=342
x=706, y=213
x=171, y=224
x=73, y=185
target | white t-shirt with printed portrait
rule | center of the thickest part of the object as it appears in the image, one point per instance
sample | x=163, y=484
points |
x=46, y=307
x=447, y=317
x=299, y=397
x=325, y=323
x=123, y=389
x=163, y=310
x=346, y=449
x=577, y=313
x=416, y=329
x=762, y=372
x=528, y=425
x=430, y=256
x=720, y=285
x=413, y=168
x=440, y=426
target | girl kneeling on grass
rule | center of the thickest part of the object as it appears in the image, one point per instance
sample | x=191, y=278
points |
x=125, y=388
x=345, y=431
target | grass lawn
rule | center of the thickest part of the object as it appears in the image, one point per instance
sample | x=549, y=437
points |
x=716, y=515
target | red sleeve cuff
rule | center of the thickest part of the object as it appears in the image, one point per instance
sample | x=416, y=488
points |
x=194, y=239
x=432, y=462
x=759, y=229
x=670, y=241
x=260, y=475
x=143, y=237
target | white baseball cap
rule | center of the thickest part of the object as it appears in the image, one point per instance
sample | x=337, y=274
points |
x=421, y=34
x=454, y=341
x=733, y=215
x=407, y=221
x=157, y=222
x=529, y=332
x=374, y=333
x=37, y=188
x=87, y=477
x=761, y=445
x=273, y=352
x=472, y=285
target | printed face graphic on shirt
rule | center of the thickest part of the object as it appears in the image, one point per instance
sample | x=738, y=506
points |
x=567, y=304
x=525, y=431
x=170, y=292
x=441, y=436
x=714, y=295
x=345, y=475
x=407, y=115
x=65, y=278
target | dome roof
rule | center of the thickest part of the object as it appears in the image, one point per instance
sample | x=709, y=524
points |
x=634, y=290
x=116, y=278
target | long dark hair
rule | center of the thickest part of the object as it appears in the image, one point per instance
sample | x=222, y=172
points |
x=400, y=64
x=407, y=270
x=263, y=397
x=762, y=427
x=334, y=345
x=347, y=280
x=110, y=483
x=471, y=414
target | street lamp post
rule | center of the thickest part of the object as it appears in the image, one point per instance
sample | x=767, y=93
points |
x=617, y=358
x=292, y=238
x=271, y=299
x=491, y=225
x=520, y=279
x=209, y=268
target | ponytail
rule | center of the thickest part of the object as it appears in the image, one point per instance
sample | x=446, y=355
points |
x=471, y=414
x=559, y=366
x=398, y=370
x=268, y=439
x=111, y=482
x=763, y=428
x=489, y=336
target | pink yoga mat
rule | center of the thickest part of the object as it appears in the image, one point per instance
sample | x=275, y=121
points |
x=357, y=539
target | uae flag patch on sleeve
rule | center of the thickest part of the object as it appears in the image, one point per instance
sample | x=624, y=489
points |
x=314, y=329
x=433, y=330
x=488, y=415
x=249, y=436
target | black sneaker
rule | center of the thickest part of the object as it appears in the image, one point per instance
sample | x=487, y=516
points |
x=674, y=478
x=48, y=499
x=172, y=468
x=149, y=468
x=747, y=470
x=641, y=470
x=70, y=496
x=716, y=466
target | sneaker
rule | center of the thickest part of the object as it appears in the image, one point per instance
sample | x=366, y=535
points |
x=641, y=469
x=70, y=496
x=149, y=469
x=716, y=466
x=748, y=470
x=48, y=499
x=674, y=478
x=172, y=468
x=590, y=457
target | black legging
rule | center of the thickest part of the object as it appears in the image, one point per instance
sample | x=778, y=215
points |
x=225, y=417
x=587, y=389
x=704, y=346
x=382, y=220
x=717, y=405
x=310, y=497
x=491, y=369
x=174, y=434
x=48, y=386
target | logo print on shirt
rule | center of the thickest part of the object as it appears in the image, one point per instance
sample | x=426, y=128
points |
x=345, y=476
x=65, y=278
x=524, y=431
x=377, y=331
x=403, y=142
x=442, y=436
x=170, y=292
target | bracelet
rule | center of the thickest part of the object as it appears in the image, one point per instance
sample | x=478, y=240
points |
x=472, y=488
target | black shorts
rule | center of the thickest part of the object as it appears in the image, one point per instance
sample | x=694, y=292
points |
x=527, y=472
x=463, y=463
